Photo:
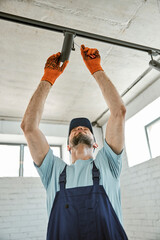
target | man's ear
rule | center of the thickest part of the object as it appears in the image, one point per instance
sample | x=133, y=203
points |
x=68, y=148
x=95, y=145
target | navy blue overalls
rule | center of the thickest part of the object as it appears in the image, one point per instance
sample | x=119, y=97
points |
x=83, y=213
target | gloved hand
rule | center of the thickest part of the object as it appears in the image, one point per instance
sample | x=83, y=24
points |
x=91, y=58
x=52, y=69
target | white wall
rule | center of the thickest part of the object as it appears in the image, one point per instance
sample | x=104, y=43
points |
x=23, y=204
x=140, y=191
x=22, y=209
x=140, y=184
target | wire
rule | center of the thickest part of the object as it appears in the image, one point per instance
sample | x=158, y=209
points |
x=77, y=44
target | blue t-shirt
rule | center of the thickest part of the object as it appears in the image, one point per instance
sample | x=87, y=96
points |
x=80, y=174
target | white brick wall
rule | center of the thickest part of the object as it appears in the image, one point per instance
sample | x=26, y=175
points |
x=140, y=191
x=23, y=212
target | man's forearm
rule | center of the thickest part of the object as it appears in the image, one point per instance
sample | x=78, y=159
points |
x=35, y=107
x=111, y=95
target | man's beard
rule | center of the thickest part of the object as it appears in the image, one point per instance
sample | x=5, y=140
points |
x=82, y=138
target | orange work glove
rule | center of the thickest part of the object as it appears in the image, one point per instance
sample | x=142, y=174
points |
x=91, y=58
x=52, y=69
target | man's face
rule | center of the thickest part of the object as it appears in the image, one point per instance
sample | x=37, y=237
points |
x=81, y=134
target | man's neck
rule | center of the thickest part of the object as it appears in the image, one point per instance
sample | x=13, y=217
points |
x=81, y=151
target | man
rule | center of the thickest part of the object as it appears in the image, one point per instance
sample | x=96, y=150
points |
x=83, y=199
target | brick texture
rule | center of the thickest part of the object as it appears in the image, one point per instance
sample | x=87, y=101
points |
x=23, y=213
x=140, y=193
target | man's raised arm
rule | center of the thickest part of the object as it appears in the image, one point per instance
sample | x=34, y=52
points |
x=116, y=123
x=115, y=127
x=37, y=142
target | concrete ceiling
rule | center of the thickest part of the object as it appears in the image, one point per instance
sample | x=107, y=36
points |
x=24, y=50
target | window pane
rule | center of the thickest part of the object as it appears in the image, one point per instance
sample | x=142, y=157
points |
x=56, y=151
x=135, y=135
x=9, y=160
x=154, y=138
x=29, y=169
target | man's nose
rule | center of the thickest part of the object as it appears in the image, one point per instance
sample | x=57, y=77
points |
x=79, y=127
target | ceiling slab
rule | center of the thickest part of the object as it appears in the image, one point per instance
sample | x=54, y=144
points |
x=24, y=50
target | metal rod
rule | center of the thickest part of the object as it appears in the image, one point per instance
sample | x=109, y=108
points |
x=67, y=46
x=62, y=29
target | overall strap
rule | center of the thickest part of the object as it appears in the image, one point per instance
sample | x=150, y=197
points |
x=62, y=178
x=95, y=174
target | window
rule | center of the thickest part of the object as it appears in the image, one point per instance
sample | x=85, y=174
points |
x=29, y=169
x=9, y=160
x=56, y=151
x=140, y=127
x=16, y=160
x=153, y=137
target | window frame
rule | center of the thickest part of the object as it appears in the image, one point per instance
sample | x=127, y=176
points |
x=21, y=153
x=147, y=136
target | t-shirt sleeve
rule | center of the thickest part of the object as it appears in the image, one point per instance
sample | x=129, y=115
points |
x=113, y=160
x=45, y=169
